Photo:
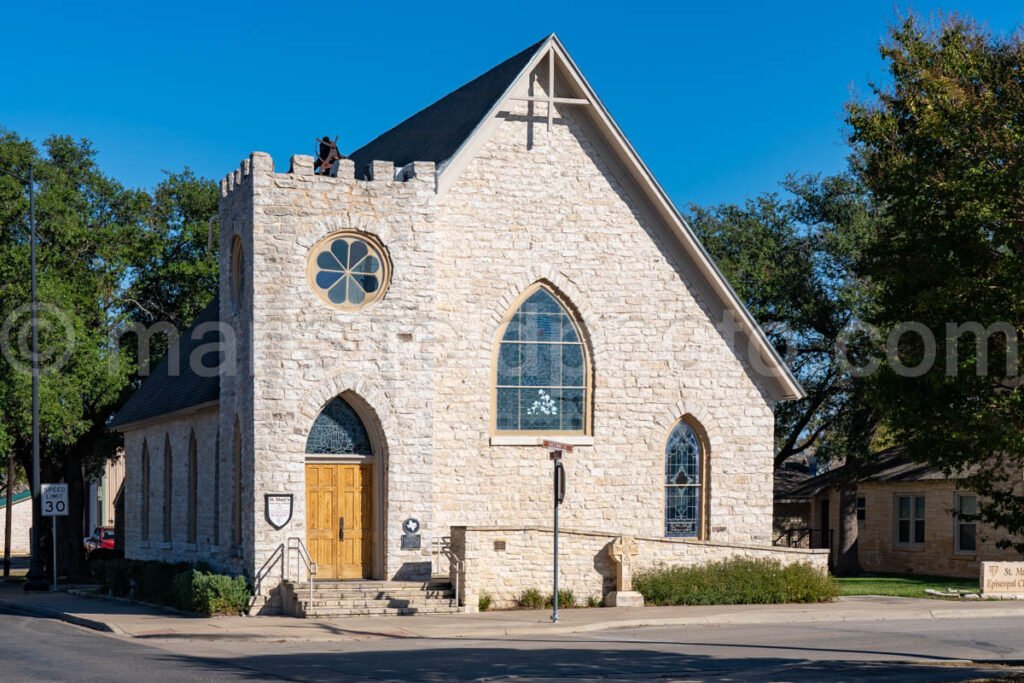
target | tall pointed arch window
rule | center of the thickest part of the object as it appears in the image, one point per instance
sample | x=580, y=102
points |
x=685, y=483
x=145, y=490
x=168, y=489
x=542, y=375
x=193, y=489
x=236, y=482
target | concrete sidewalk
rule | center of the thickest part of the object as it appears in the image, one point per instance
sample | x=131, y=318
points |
x=139, y=621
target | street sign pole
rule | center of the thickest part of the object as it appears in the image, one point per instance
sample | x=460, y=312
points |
x=53, y=526
x=54, y=504
x=556, y=459
x=556, y=448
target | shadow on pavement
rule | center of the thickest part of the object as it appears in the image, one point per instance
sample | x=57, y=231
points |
x=560, y=664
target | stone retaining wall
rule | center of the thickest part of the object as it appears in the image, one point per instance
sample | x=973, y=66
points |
x=585, y=566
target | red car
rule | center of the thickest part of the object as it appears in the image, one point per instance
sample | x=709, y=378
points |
x=102, y=539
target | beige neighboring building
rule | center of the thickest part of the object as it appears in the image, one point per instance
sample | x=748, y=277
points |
x=21, y=522
x=908, y=520
x=103, y=492
x=401, y=337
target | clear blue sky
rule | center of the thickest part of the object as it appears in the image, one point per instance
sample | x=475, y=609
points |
x=721, y=99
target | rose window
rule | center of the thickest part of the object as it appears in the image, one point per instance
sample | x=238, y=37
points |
x=347, y=271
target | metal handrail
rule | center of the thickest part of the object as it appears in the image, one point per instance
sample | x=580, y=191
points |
x=264, y=571
x=442, y=547
x=302, y=554
x=460, y=570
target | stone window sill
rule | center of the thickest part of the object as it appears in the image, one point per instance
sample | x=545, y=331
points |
x=520, y=440
x=191, y=547
x=909, y=548
x=166, y=545
x=144, y=545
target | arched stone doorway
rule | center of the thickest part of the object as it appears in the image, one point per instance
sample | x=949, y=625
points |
x=345, y=490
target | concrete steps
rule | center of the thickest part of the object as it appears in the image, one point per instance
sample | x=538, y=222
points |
x=336, y=599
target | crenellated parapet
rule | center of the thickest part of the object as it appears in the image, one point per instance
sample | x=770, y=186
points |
x=381, y=174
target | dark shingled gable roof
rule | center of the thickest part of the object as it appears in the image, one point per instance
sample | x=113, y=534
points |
x=888, y=466
x=161, y=393
x=437, y=132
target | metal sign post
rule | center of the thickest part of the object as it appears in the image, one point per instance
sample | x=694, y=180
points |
x=54, y=505
x=556, y=450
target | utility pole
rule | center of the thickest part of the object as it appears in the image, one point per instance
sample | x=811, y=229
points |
x=7, y=518
x=36, y=579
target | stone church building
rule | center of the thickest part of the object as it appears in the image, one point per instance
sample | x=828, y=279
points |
x=398, y=338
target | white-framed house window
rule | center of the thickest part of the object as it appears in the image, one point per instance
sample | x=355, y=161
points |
x=966, y=531
x=861, y=508
x=909, y=520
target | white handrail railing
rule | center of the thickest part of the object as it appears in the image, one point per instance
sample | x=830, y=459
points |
x=264, y=571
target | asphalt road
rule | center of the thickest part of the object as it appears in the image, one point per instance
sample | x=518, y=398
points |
x=34, y=649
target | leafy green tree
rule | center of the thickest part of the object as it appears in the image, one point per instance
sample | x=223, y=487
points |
x=939, y=146
x=791, y=260
x=84, y=218
x=106, y=255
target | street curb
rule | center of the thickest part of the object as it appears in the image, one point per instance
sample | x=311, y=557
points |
x=47, y=613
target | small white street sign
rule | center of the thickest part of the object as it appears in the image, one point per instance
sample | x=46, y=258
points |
x=557, y=446
x=55, y=500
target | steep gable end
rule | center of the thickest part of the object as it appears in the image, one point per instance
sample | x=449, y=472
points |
x=550, y=63
x=439, y=131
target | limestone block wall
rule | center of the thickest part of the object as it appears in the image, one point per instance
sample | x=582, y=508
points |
x=21, y=526
x=937, y=556
x=503, y=562
x=557, y=207
x=177, y=548
x=237, y=190
x=303, y=353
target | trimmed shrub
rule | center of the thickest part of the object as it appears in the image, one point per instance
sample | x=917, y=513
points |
x=188, y=588
x=484, y=603
x=531, y=598
x=220, y=594
x=566, y=599
x=735, y=582
x=154, y=582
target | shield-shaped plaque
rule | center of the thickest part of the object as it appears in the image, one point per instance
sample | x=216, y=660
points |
x=278, y=509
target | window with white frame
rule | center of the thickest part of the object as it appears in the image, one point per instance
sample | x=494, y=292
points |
x=966, y=524
x=909, y=520
x=861, y=508
x=542, y=374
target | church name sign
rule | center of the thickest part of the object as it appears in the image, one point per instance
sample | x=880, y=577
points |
x=1002, y=578
x=278, y=509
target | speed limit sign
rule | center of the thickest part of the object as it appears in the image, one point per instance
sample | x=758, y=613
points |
x=55, y=500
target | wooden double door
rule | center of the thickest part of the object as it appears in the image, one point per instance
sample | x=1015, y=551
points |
x=339, y=520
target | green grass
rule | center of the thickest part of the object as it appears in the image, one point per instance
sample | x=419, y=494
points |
x=901, y=585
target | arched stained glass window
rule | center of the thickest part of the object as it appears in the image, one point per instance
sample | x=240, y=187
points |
x=338, y=431
x=684, y=483
x=541, y=383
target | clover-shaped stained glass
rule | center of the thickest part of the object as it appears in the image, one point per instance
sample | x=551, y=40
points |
x=347, y=271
